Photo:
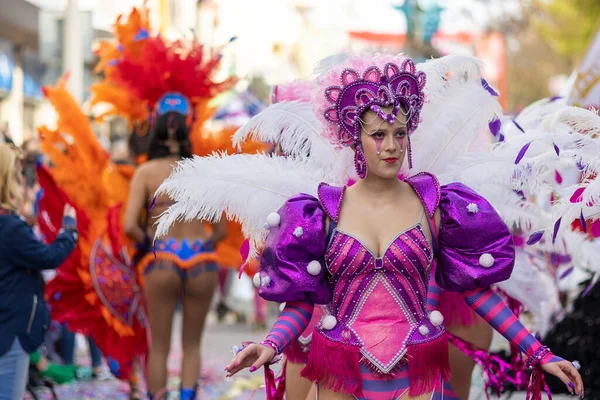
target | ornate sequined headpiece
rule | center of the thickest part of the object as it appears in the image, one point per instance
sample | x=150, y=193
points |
x=397, y=87
x=400, y=87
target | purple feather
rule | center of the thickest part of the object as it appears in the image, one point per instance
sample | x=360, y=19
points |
x=152, y=203
x=566, y=273
x=582, y=220
x=535, y=237
x=487, y=87
x=522, y=153
x=495, y=126
x=518, y=126
x=554, y=98
x=577, y=195
x=556, y=226
x=588, y=289
x=556, y=149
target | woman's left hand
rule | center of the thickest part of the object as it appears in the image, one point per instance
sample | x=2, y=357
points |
x=566, y=372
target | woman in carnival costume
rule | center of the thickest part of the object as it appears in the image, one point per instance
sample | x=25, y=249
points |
x=377, y=340
x=466, y=352
x=113, y=310
x=180, y=84
x=185, y=263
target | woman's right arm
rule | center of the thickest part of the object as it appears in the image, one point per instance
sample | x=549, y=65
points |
x=291, y=323
x=135, y=205
x=30, y=253
x=292, y=271
x=289, y=326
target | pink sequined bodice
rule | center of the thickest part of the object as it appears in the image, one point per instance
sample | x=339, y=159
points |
x=379, y=302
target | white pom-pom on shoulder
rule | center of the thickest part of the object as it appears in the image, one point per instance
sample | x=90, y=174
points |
x=472, y=208
x=273, y=220
x=256, y=279
x=314, y=268
x=298, y=231
x=486, y=260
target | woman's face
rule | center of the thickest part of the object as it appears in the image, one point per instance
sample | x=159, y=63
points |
x=384, y=144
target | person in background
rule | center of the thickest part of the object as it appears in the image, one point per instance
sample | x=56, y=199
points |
x=68, y=355
x=185, y=262
x=5, y=136
x=24, y=317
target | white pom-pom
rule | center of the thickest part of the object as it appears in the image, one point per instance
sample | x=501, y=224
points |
x=281, y=307
x=436, y=318
x=256, y=279
x=265, y=281
x=329, y=322
x=472, y=208
x=423, y=330
x=298, y=231
x=486, y=260
x=273, y=220
x=314, y=268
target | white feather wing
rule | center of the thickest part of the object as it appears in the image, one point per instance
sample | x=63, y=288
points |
x=244, y=187
x=295, y=127
x=293, y=124
x=456, y=115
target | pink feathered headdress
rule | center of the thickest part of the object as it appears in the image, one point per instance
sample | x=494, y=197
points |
x=369, y=83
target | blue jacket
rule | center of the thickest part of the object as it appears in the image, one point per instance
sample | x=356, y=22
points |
x=23, y=311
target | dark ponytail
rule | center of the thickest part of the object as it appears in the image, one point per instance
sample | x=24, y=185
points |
x=170, y=137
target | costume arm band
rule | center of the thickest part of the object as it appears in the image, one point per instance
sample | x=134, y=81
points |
x=494, y=310
x=291, y=323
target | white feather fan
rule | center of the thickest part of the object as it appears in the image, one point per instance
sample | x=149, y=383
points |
x=456, y=116
x=295, y=127
x=540, y=299
x=244, y=187
x=293, y=124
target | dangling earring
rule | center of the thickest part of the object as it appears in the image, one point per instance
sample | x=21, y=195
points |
x=409, y=152
x=360, y=164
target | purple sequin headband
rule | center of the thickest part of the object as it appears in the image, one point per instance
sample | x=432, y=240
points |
x=397, y=87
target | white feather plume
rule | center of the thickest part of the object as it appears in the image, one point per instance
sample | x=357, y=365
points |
x=295, y=127
x=291, y=123
x=327, y=63
x=540, y=299
x=244, y=187
x=456, y=116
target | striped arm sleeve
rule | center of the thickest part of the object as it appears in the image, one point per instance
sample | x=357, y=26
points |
x=492, y=308
x=291, y=323
x=433, y=295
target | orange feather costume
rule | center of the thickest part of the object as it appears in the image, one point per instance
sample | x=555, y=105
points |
x=96, y=292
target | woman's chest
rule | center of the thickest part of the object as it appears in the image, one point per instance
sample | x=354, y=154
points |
x=403, y=266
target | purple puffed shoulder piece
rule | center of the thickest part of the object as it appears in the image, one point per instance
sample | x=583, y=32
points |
x=476, y=248
x=292, y=262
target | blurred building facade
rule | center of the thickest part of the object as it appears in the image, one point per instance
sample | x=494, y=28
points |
x=276, y=41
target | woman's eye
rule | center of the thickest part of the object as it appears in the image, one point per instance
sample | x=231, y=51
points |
x=378, y=135
x=400, y=134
